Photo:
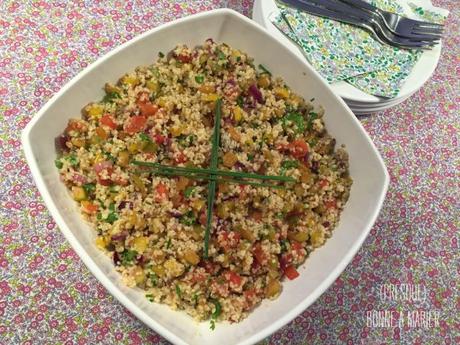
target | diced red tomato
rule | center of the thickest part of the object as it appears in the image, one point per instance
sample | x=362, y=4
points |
x=228, y=239
x=104, y=169
x=285, y=260
x=291, y=272
x=181, y=158
x=233, y=278
x=108, y=121
x=258, y=252
x=161, y=191
x=330, y=203
x=76, y=125
x=323, y=183
x=159, y=139
x=135, y=124
x=147, y=108
x=184, y=58
x=298, y=148
x=297, y=248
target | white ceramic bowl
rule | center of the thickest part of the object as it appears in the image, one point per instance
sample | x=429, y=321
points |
x=319, y=271
x=420, y=74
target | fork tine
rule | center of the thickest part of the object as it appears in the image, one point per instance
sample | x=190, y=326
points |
x=424, y=31
x=428, y=25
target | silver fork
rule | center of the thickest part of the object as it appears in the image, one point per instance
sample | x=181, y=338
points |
x=351, y=15
x=397, y=24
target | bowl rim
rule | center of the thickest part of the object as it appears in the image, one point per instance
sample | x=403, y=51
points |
x=96, y=270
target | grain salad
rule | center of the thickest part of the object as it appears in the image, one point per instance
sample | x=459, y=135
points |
x=154, y=225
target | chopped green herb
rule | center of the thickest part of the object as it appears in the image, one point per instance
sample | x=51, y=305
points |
x=188, y=219
x=195, y=298
x=186, y=140
x=145, y=137
x=89, y=188
x=178, y=291
x=114, y=189
x=149, y=296
x=313, y=117
x=238, y=58
x=216, y=313
x=221, y=55
x=161, y=55
x=264, y=70
x=189, y=191
x=289, y=164
x=99, y=216
x=112, y=207
x=111, y=218
x=281, y=215
x=312, y=99
x=199, y=79
x=109, y=156
x=250, y=157
x=127, y=256
x=240, y=101
x=110, y=97
x=295, y=118
x=58, y=164
x=312, y=142
x=283, y=245
x=153, y=279
x=73, y=160
x=168, y=244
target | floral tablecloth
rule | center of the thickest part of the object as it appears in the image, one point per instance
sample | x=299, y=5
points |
x=47, y=296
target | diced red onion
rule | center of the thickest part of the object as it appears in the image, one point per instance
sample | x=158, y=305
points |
x=255, y=93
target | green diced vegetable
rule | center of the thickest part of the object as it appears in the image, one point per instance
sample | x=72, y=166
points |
x=221, y=55
x=250, y=157
x=153, y=279
x=168, y=244
x=89, y=188
x=73, y=160
x=199, y=79
x=58, y=164
x=289, y=164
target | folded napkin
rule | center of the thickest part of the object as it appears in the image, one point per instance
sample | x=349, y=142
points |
x=339, y=51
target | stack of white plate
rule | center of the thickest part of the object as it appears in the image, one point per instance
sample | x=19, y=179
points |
x=359, y=102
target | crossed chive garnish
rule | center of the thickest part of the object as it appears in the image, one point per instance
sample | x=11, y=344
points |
x=214, y=175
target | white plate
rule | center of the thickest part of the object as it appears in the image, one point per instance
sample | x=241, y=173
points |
x=322, y=267
x=422, y=71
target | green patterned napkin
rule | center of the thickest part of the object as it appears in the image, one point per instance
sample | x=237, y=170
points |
x=340, y=51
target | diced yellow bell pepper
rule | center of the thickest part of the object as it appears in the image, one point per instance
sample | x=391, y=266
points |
x=101, y=242
x=78, y=193
x=139, y=275
x=140, y=244
x=130, y=80
x=95, y=110
x=237, y=114
x=210, y=97
x=152, y=85
x=282, y=92
x=191, y=257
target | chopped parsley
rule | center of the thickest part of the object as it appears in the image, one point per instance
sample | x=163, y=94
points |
x=250, y=157
x=153, y=279
x=178, y=291
x=186, y=140
x=189, y=191
x=110, y=97
x=264, y=70
x=296, y=119
x=161, y=55
x=113, y=216
x=240, y=101
x=283, y=245
x=168, y=244
x=188, y=219
x=216, y=313
x=145, y=137
x=127, y=256
x=149, y=296
x=313, y=117
x=221, y=55
x=288, y=164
